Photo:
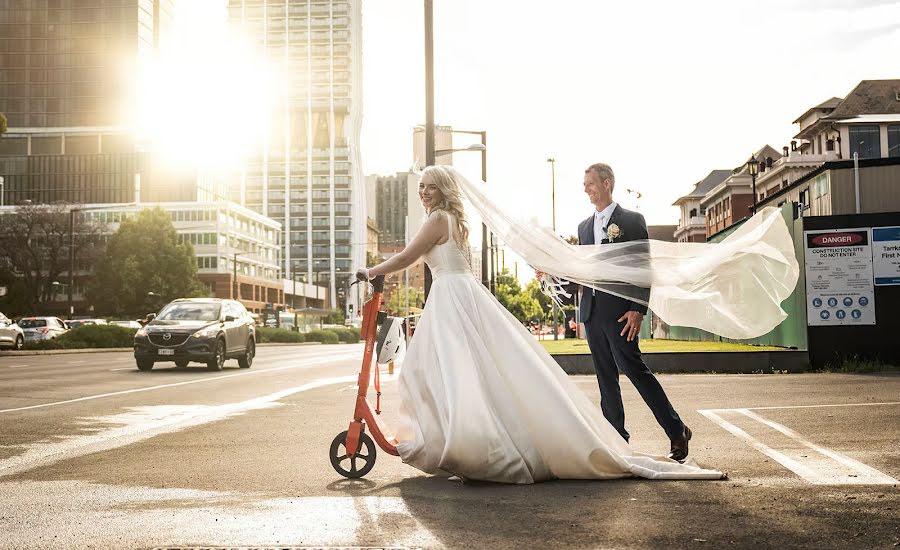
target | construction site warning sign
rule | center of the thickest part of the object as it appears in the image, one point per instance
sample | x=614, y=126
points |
x=840, y=288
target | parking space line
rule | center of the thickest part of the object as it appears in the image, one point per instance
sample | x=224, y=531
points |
x=820, y=406
x=781, y=458
x=832, y=470
x=123, y=368
x=308, y=362
x=17, y=366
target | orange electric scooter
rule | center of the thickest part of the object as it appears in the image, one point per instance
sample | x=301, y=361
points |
x=353, y=445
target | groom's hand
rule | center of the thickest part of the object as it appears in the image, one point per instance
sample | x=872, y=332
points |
x=632, y=326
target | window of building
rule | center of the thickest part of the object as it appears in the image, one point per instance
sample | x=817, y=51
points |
x=804, y=198
x=865, y=140
x=893, y=132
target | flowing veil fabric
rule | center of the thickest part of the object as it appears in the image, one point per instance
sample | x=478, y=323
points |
x=733, y=288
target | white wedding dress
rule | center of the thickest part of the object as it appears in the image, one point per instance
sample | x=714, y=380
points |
x=480, y=398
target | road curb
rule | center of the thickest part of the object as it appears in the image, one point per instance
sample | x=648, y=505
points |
x=59, y=351
x=727, y=362
x=106, y=350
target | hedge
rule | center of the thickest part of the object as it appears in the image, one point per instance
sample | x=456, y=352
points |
x=89, y=336
x=280, y=335
x=326, y=336
x=346, y=335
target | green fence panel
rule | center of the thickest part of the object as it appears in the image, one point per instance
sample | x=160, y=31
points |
x=791, y=333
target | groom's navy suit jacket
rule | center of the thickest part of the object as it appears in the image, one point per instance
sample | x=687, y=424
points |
x=633, y=227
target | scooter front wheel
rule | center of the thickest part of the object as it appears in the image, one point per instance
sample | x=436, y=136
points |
x=348, y=466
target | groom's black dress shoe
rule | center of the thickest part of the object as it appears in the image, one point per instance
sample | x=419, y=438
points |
x=680, y=446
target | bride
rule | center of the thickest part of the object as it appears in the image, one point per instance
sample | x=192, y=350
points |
x=480, y=398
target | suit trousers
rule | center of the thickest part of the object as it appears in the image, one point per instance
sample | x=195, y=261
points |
x=611, y=352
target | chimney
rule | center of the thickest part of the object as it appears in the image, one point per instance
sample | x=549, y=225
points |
x=768, y=162
x=785, y=150
x=793, y=145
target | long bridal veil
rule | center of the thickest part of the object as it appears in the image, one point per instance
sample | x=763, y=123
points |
x=733, y=288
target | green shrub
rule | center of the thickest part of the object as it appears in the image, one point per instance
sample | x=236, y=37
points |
x=89, y=336
x=326, y=336
x=346, y=336
x=279, y=335
x=356, y=331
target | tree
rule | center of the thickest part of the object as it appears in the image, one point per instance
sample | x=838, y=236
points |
x=396, y=302
x=372, y=259
x=144, y=256
x=3, y=124
x=521, y=304
x=35, y=241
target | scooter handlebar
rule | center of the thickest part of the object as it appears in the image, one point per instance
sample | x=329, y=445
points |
x=377, y=283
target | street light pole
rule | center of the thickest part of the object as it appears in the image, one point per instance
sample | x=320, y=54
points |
x=552, y=162
x=753, y=168
x=485, y=278
x=429, y=103
x=236, y=290
x=71, y=260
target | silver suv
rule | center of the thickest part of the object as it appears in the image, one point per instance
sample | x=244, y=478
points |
x=11, y=335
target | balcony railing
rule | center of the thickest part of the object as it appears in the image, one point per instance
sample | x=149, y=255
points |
x=695, y=220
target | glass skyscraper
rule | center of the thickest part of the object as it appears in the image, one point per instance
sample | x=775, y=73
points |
x=306, y=174
x=63, y=80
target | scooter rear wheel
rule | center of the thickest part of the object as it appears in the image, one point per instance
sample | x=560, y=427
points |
x=340, y=460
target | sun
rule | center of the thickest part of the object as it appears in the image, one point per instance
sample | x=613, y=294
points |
x=206, y=97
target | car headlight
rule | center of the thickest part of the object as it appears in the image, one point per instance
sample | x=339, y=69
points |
x=141, y=332
x=208, y=332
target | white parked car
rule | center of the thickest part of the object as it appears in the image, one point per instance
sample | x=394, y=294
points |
x=11, y=335
x=42, y=328
x=75, y=323
x=127, y=324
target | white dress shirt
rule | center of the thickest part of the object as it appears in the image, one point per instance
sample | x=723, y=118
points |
x=601, y=219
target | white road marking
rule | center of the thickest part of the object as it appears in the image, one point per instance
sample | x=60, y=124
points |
x=123, y=368
x=140, y=423
x=76, y=362
x=304, y=363
x=17, y=366
x=818, y=406
x=833, y=469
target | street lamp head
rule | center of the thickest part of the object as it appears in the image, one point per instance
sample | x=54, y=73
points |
x=476, y=147
x=551, y=160
x=753, y=166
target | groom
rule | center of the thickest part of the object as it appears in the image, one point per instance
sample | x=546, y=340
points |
x=612, y=323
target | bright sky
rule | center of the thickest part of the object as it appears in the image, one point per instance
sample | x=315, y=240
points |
x=663, y=91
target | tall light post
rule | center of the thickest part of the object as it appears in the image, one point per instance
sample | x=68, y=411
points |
x=552, y=162
x=429, y=103
x=753, y=169
x=485, y=279
x=236, y=290
x=71, y=260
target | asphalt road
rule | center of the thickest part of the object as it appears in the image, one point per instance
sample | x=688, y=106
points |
x=94, y=453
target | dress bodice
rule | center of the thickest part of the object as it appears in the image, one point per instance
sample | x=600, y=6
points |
x=447, y=257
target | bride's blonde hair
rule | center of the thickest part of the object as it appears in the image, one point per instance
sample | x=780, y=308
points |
x=451, y=202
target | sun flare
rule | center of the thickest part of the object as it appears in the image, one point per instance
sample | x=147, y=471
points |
x=204, y=98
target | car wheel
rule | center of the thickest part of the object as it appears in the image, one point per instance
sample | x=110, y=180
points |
x=246, y=360
x=217, y=361
x=181, y=364
x=143, y=364
x=20, y=343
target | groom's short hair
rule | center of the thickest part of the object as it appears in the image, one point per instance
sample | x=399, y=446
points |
x=603, y=171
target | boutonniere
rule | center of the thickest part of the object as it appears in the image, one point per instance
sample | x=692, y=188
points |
x=614, y=232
